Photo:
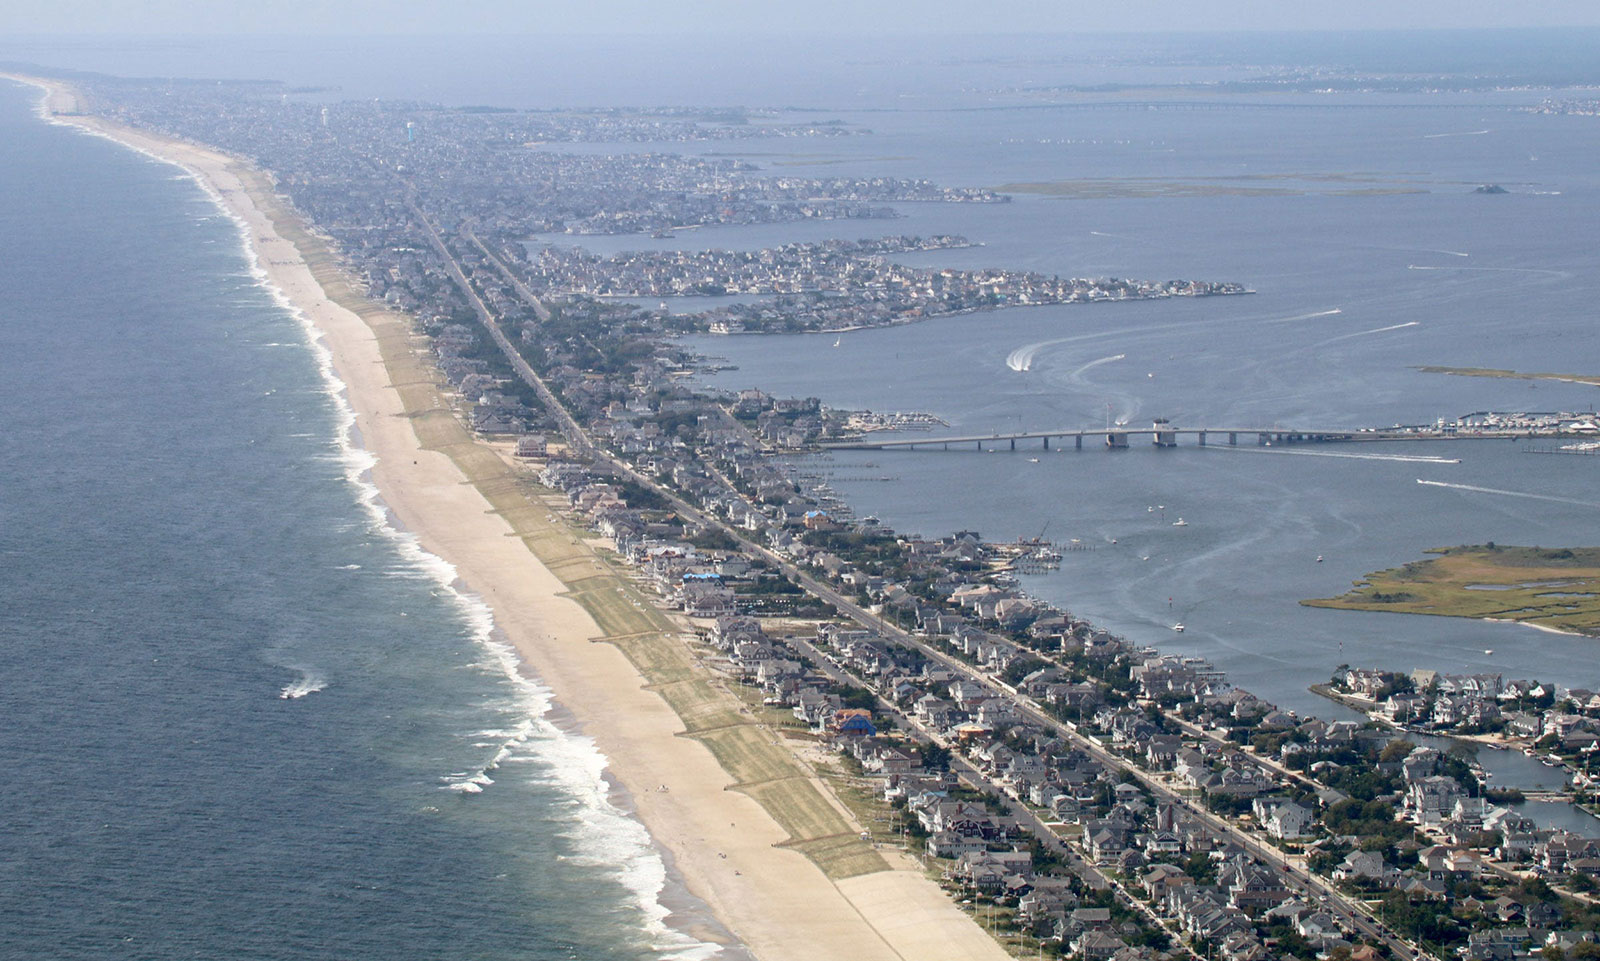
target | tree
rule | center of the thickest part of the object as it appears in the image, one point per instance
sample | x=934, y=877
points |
x=1585, y=951
x=1396, y=750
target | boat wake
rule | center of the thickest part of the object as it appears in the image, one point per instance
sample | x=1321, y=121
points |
x=1076, y=377
x=1279, y=451
x=1021, y=359
x=1472, y=488
x=1512, y=270
x=1310, y=316
x=1375, y=330
x=1459, y=133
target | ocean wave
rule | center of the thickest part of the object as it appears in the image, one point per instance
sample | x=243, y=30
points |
x=310, y=681
x=607, y=834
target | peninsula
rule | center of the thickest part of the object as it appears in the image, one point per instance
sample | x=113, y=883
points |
x=853, y=743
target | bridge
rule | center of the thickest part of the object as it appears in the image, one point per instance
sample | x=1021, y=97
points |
x=1163, y=434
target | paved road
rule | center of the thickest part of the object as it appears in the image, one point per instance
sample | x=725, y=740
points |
x=1352, y=913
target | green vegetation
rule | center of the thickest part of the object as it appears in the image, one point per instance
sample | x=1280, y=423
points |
x=1260, y=185
x=1555, y=588
x=1510, y=374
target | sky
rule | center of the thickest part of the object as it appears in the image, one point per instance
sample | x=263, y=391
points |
x=550, y=17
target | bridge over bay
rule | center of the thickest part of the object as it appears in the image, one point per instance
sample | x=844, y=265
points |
x=1162, y=434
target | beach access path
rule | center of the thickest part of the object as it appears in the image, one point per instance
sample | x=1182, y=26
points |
x=554, y=598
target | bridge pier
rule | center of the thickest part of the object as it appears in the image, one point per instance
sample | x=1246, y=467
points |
x=1118, y=437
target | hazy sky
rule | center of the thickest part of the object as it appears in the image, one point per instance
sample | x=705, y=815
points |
x=748, y=16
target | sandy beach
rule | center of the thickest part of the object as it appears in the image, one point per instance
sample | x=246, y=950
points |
x=466, y=505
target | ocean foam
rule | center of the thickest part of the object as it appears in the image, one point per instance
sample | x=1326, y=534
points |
x=609, y=835
x=310, y=681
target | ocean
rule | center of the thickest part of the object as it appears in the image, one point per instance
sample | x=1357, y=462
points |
x=187, y=536
x=246, y=717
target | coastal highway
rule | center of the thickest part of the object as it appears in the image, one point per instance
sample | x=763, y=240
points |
x=575, y=434
x=1025, y=816
x=1352, y=913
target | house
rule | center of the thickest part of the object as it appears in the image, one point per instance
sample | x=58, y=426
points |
x=1097, y=946
x=852, y=722
x=1289, y=821
x=949, y=844
x=1430, y=800
x=1365, y=866
x=1162, y=878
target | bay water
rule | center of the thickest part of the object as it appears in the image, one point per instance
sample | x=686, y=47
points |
x=186, y=537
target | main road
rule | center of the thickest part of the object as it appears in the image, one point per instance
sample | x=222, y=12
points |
x=1353, y=913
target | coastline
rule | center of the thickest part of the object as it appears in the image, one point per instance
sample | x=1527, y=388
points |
x=775, y=899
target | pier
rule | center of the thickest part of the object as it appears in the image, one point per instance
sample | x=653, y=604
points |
x=1164, y=435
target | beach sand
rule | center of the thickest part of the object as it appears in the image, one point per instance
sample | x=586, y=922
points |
x=468, y=507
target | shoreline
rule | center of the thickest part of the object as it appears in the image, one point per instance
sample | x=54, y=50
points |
x=671, y=909
x=777, y=902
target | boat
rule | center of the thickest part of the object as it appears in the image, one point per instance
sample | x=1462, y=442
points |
x=1180, y=522
x=837, y=341
x=1033, y=460
x=1319, y=558
x=1178, y=627
x=1488, y=650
